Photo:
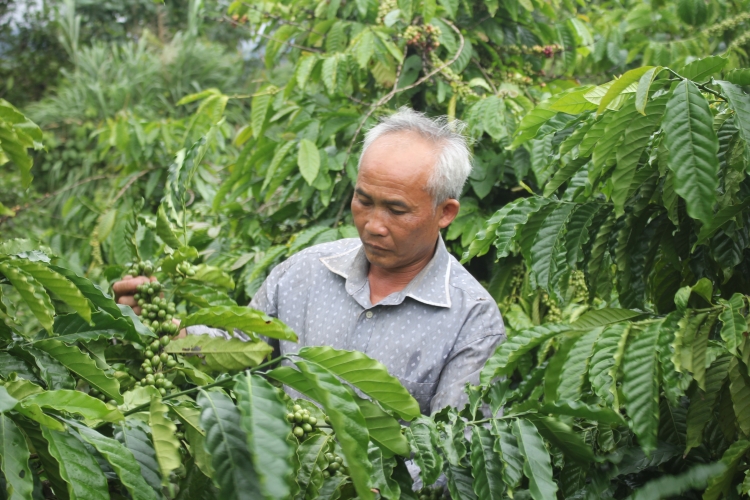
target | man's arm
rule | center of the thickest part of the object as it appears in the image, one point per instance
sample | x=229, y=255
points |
x=482, y=332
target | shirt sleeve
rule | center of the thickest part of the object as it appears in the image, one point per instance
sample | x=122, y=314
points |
x=482, y=332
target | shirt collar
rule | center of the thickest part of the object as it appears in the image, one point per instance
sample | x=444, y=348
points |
x=430, y=286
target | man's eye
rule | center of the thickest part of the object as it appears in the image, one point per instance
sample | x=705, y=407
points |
x=397, y=212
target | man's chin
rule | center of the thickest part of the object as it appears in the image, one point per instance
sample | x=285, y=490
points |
x=378, y=259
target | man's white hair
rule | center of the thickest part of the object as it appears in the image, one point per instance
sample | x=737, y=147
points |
x=453, y=164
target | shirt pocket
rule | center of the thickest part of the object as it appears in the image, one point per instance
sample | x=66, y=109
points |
x=422, y=392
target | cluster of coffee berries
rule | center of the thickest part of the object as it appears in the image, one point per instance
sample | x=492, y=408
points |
x=94, y=393
x=303, y=423
x=156, y=312
x=459, y=87
x=554, y=314
x=727, y=24
x=384, y=8
x=422, y=37
x=740, y=41
x=431, y=494
x=184, y=270
x=335, y=466
x=580, y=291
x=535, y=50
x=143, y=268
x=154, y=363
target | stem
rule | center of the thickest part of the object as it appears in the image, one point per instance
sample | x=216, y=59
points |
x=699, y=85
x=200, y=387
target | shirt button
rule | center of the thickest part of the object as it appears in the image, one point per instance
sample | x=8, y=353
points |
x=368, y=314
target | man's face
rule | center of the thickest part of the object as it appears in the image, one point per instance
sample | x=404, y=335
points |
x=396, y=217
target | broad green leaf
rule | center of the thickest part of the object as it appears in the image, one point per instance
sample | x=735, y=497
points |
x=122, y=461
x=7, y=402
x=204, y=296
x=532, y=122
x=673, y=486
x=423, y=439
x=278, y=157
x=692, y=143
x=166, y=445
x=133, y=434
x=366, y=374
x=453, y=442
x=562, y=435
x=545, y=257
x=365, y=48
x=577, y=231
x=294, y=379
x=602, y=317
x=619, y=85
x=221, y=354
x=536, y=466
x=83, y=366
x=733, y=323
x=507, y=354
x=31, y=292
x=164, y=229
x=71, y=328
x=640, y=385
x=75, y=402
x=612, y=137
x=382, y=469
x=384, y=430
x=702, y=402
x=21, y=388
x=506, y=446
x=628, y=154
x=739, y=76
x=486, y=466
x=77, y=467
x=259, y=110
x=242, y=318
x=576, y=365
x=719, y=219
x=213, y=275
x=263, y=418
x=720, y=484
x=460, y=482
x=582, y=410
x=740, y=103
x=14, y=459
x=55, y=375
x=182, y=254
x=347, y=421
x=605, y=363
x=57, y=284
x=574, y=103
x=644, y=85
x=311, y=453
x=700, y=69
x=304, y=67
x=564, y=174
x=308, y=160
x=739, y=387
x=502, y=227
x=227, y=444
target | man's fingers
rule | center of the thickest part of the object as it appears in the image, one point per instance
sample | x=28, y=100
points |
x=137, y=310
x=128, y=286
x=127, y=300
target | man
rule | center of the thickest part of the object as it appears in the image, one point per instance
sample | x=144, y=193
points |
x=395, y=293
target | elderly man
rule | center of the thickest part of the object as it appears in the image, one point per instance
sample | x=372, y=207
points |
x=395, y=293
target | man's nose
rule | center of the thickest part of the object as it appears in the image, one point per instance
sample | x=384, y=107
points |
x=375, y=226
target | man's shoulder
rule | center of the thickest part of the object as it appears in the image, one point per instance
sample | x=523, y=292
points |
x=463, y=282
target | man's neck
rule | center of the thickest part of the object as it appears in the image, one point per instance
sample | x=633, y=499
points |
x=384, y=282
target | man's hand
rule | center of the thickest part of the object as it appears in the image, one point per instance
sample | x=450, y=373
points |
x=126, y=288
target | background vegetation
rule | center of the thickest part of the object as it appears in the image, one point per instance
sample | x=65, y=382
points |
x=607, y=214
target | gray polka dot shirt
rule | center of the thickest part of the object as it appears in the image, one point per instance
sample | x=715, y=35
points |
x=434, y=335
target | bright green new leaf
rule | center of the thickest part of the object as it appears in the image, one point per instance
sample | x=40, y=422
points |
x=700, y=69
x=506, y=446
x=739, y=76
x=75, y=402
x=384, y=430
x=644, y=85
x=733, y=323
x=619, y=85
x=31, y=292
x=164, y=229
x=166, y=444
x=242, y=318
x=221, y=354
x=368, y=375
x=308, y=160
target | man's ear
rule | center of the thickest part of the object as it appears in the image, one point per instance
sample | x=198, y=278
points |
x=448, y=211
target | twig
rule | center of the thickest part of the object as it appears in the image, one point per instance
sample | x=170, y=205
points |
x=699, y=85
x=486, y=76
x=383, y=100
x=128, y=184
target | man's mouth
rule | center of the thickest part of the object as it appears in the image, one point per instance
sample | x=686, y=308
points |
x=376, y=247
